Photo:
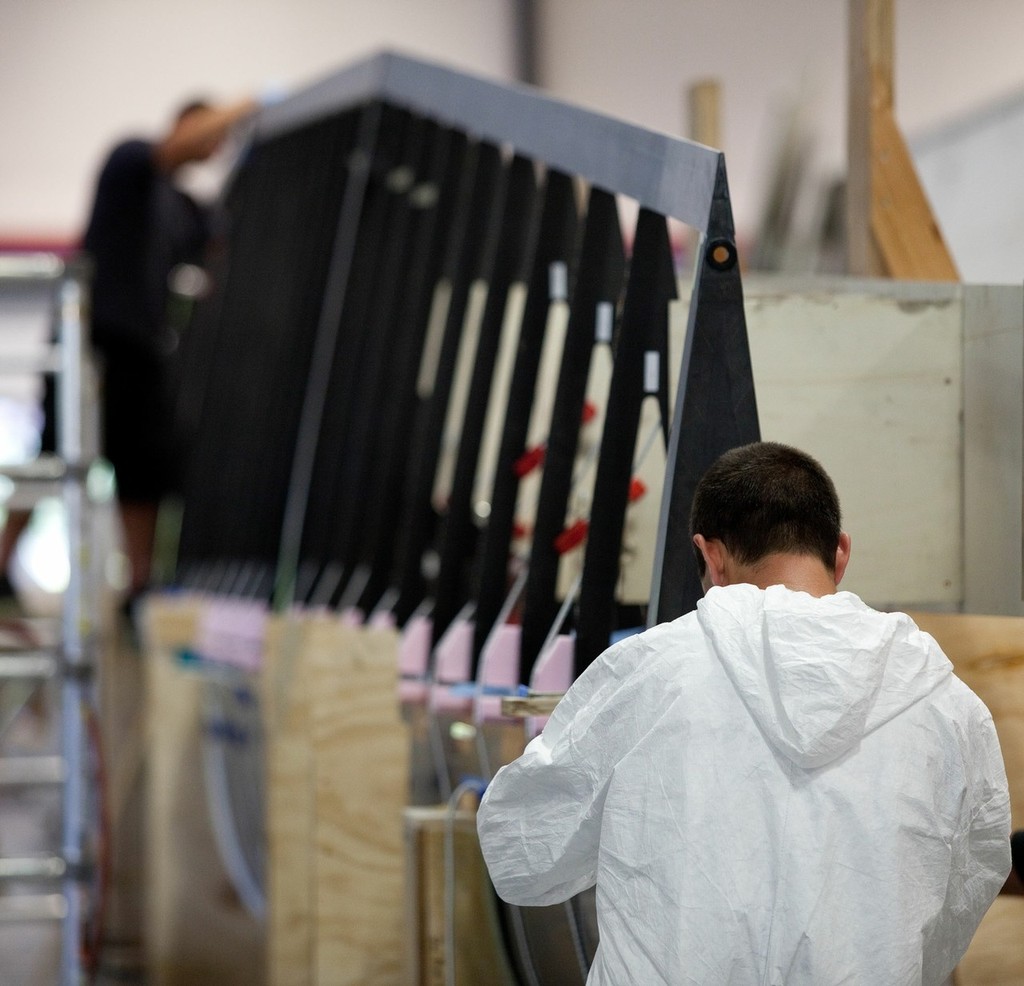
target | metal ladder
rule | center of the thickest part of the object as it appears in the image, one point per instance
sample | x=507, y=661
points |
x=37, y=286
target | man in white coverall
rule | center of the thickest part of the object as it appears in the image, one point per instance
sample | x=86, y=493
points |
x=783, y=787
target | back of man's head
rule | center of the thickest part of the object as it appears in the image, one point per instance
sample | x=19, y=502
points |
x=767, y=498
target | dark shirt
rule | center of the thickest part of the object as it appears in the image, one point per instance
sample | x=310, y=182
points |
x=140, y=228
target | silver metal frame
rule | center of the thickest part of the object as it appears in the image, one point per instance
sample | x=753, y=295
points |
x=62, y=286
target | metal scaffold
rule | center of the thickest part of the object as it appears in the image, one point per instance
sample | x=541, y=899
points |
x=33, y=287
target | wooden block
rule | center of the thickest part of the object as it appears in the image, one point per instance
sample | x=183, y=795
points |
x=290, y=804
x=537, y=704
x=703, y=99
x=902, y=223
x=198, y=931
x=360, y=754
x=452, y=910
x=121, y=720
x=870, y=44
x=891, y=230
x=988, y=654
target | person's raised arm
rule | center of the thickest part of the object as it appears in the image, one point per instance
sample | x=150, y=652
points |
x=198, y=132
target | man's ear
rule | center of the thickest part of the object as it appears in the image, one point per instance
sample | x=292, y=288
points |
x=842, y=556
x=714, y=560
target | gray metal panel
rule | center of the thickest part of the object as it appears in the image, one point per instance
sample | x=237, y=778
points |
x=672, y=176
x=993, y=422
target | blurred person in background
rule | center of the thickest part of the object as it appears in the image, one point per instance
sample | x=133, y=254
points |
x=141, y=227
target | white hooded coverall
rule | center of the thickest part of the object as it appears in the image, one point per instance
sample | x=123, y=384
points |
x=776, y=789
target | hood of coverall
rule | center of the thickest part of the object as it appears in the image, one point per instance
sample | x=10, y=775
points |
x=810, y=670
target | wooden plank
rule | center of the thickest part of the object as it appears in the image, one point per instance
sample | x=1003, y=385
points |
x=891, y=230
x=988, y=654
x=450, y=922
x=290, y=803
x=360, y=751
x=902, y=223
x=122, y=728
x=535, y=704
x=870, y=25
x=704, y=126
x=198, y=931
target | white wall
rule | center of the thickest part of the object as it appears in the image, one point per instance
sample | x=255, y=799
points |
x=971, y=172
x=638, y=59
x=76, y=76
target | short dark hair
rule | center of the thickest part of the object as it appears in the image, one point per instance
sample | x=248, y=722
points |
x=764, y=498
x=190, y=107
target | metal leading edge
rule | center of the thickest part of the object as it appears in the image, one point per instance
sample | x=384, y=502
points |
x=666, y=174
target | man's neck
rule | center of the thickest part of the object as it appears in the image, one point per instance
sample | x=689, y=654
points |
x=801, y=573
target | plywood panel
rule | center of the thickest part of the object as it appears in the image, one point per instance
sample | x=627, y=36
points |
x=902, y=223
x=290, y=806
x=360, y=749
x=197, y=929
x=453, y=925
x=867, y=376
x=870, y=384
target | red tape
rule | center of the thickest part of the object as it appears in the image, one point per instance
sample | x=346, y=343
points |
x=529, y=460
x=573, y=536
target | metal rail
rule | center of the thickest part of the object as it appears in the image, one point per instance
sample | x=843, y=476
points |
x=667, y=174
x=45, y=280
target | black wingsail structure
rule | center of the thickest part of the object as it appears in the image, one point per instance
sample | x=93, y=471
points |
x=466, y=265
x=275, y=325
x=247, y=359
x=364, y=218
x=642, y=337
x=431, y=203
x=458, y=546
x=333, y=499
x=716, y=408
x=599, y=281
x=556, y=247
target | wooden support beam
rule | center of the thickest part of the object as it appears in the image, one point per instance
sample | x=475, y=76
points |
x=704, y=126
x=534, y=704
x=891, y=231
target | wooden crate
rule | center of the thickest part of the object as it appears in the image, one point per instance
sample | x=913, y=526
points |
x=197, y=929
x=338, y=769
x=452, y=914
x=988, y=654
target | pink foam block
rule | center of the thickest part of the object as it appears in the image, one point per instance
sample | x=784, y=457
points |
x=414, y=661
x=453, y=658
x=414, y=648
x=382, y=619
x=552, y=674
x=413, y=691
x=499, y=671
x=232, y=631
